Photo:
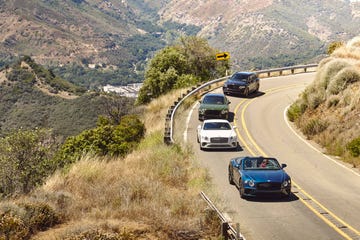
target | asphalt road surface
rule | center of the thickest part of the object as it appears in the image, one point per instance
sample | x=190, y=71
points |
x=325, y=201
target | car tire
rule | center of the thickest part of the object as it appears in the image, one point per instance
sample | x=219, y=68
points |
x=231, y=180
x=241, y=189
x=246, y=92
x=286, y=195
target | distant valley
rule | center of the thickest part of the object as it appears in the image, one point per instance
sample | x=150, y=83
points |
x=97, y=42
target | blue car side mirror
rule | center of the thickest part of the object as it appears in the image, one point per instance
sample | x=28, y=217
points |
x=283, y=165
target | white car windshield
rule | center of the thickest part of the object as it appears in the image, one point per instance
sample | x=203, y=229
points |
x=217, y=126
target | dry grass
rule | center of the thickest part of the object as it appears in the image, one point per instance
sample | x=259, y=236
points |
x=153, y=193
x=334, y=98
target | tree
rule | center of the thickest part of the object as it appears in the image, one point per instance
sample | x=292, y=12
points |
x=115, y=107
x=185, y=64
x=26, y=158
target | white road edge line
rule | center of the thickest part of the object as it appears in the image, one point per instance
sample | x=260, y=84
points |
x=188, y=121
x=333, y=160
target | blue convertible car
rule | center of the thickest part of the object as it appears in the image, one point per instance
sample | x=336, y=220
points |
x=257, y=175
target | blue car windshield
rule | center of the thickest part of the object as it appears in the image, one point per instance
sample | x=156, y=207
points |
x=239, y=77
x=261, y=164
x=214, y=100
x=217, y=126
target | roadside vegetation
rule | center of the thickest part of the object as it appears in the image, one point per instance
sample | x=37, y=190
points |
x=328, y=110
x=187, y=63
x=150, y=193
x=117, y=180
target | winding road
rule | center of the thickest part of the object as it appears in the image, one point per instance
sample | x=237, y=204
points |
x=325, y=201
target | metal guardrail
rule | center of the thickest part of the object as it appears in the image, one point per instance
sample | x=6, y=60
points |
x=228, y=232
x=169, y=123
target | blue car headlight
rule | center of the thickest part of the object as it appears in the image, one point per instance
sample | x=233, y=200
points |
x=250, y=182
x=286, y=183
x=201, y=110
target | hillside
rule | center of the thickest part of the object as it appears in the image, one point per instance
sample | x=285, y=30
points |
x=89, y=43
x=96, y=42
x=261, y=34
x=31, y=97
x=327, y=112
x=152, y=193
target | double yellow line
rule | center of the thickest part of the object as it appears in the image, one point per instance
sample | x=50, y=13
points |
x=302, y=191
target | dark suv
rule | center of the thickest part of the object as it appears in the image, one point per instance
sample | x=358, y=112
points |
x=214, y=105
x=242, y=83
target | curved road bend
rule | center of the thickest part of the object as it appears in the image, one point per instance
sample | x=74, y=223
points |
x=325, y=203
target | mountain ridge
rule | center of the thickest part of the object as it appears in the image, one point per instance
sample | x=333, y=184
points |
x=98, y=42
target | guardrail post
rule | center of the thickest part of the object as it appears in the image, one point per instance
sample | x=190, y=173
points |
x=224, y=230
x=238, y=237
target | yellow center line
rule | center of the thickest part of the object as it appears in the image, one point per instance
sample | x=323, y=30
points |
x=256, y=146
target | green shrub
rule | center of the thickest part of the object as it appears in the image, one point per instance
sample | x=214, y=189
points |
x=295, y=111
x=106, y=139
x=22, y=220
x=12, y=227
x=102, y=235
x=333, y=46
x=314, y=126
x=341, y=80
x=354, y=147
x=330, y=69
x=39, y=216
x=333, y=101
x=26, y=158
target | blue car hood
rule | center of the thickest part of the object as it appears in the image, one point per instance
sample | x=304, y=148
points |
x=266, y=175
x=236, y=82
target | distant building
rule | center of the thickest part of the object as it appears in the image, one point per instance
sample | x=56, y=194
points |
x=130, y=90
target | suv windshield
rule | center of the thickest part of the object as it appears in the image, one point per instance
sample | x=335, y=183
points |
x=239, y=77
x=214, y=100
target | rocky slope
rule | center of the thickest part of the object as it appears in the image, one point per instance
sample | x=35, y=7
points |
x=284, y=31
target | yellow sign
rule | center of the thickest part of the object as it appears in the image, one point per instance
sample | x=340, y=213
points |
x=223, y=56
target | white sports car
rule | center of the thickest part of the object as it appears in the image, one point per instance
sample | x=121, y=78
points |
x=216, y=133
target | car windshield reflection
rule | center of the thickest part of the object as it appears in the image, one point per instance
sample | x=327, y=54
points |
x=261, y=164
x=214, y=100
x=239, y=77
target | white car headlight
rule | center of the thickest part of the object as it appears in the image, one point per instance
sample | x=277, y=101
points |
x=206, y=138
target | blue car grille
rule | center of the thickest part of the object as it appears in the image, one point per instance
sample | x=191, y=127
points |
x=218, y=140
x=269, y=186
